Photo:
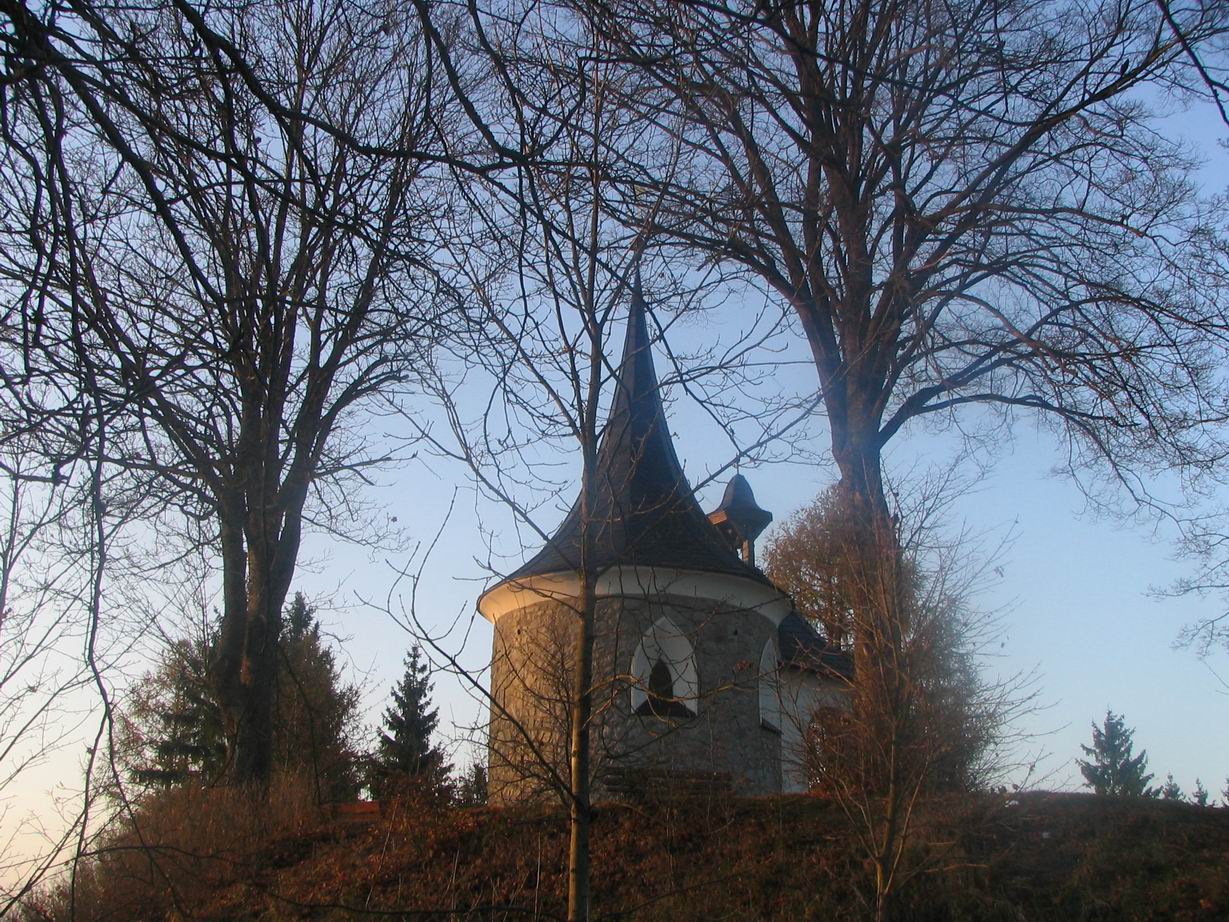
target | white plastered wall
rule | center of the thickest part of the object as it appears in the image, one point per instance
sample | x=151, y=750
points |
x=642, y=582
x=803, y=693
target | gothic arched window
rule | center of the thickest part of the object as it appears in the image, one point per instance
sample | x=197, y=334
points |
x=665, y=672
x=661, y=683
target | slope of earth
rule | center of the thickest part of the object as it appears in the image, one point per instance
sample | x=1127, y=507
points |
x=1028, y=857
x=1038, y=856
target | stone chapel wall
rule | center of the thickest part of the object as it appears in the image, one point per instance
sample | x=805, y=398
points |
x=531, y=675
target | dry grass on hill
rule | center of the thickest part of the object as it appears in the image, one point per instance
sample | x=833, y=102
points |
x=1043, y=857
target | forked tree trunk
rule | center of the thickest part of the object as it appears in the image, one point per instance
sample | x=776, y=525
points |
x=252, y=761
x=256, y=581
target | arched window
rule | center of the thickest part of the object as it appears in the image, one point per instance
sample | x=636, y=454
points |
x=661, y=683
x=664, y=668
x=770, y=688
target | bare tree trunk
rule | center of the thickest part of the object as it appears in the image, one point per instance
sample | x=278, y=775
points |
x=582, y=693
x=256, y=578
x=582, y=707
x=881, y=699
x=875, y=546
x=226, y=666
x=244, y=665
x=253, y=759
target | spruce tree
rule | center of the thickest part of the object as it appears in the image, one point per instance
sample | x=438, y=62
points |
x=316, y=712
x=1200, y=796
x=1170, y=789
x=472, y=786
x=1112, y=768
x=171, y=727
x=405, y=748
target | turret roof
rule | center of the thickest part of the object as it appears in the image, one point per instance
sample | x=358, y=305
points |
x=644, y=511
x=802, y=647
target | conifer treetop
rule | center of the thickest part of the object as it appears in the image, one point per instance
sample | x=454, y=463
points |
x=1112, y=767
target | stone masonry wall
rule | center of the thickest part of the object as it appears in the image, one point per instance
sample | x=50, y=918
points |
x=531, y=677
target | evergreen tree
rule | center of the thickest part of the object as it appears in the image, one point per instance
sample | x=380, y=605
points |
x=171, y=725
x=1112, y=768
x=1200, y=797
x=404, y=748
x=315, y=712
x=472, y=786
x=1170, y=789
x=172, y=729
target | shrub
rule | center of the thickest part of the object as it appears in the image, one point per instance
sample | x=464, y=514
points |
x=177, y=847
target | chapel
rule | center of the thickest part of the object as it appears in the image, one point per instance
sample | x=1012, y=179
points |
x=704, y=674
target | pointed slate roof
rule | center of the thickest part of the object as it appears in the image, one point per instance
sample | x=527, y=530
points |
x=644, y=512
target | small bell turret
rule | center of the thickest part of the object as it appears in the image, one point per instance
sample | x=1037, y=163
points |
x=739, y=518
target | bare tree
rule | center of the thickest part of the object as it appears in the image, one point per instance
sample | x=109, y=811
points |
x=550, y=272
x=1203, y=542
x=1207, y=59
x=43, y=679
x=218, y=226
x=963, y=205
x=56, y=643
x=928, y=720
x=544, y=313
x=968, y=713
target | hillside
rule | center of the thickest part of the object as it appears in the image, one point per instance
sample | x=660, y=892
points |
x=1035, y=857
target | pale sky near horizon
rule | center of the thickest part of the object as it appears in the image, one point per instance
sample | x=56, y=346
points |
x=1074, y=590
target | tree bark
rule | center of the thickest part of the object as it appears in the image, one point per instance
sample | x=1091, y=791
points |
x=580, y=802
x=881, y=705
x=256, y=582
x=582, y=707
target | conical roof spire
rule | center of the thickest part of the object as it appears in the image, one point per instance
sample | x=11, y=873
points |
x=644, y=513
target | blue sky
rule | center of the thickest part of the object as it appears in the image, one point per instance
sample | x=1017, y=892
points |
x=1075, y=589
